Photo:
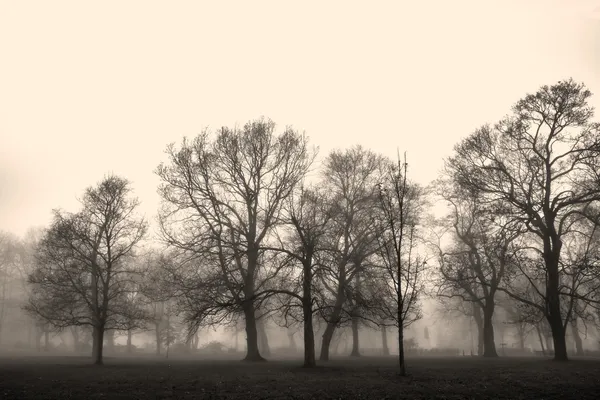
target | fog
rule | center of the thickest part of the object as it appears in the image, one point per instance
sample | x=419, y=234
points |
x=401, y=191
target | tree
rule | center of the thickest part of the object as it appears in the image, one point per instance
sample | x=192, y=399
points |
x=222, y=200
x=396, y=234
x=10, y=251
x=84, y=262
x=351, y=177
x=306, y=219
x=474, y=265
x=541, y=163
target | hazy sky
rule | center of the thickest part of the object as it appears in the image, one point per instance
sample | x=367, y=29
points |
x=88, y=88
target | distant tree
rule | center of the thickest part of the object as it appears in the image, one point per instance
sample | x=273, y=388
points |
x=84, y=262
x=221, y=200
x=473, y=266
x=541, y=163
x=10, y=249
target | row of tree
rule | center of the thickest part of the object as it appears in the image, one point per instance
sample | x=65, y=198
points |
x=246, y=231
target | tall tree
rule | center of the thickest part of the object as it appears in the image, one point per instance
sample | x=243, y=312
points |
x=84, y=262
x=351, y=177
x=399, y=212
x=542, y=164
x=222, y=200
x=305, y=222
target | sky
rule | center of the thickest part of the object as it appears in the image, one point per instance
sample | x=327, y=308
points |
x=91, y=88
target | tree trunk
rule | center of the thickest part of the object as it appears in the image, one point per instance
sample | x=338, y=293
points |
x=553, y=302
x=384, y=341
x=129, y=344
x=355, y=338
x=307, y=312
x=292, y=341
x=196, y=340
x=401, y=349
x=252, y=352
x=263, y=339
x=98, y=345
x=521, y=332
x=489, y=345
x=330, y=328
x=326, y=341
x=479, y=323
x=539, y=332
x=578, y=342
x=157, y=337
x=309, y=338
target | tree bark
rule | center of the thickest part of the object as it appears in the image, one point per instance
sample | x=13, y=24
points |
x=307, y=311
x=326, y=341
x=401, y=362
x=551, y=257
x=97, y=352
x=384, y=341
x=252, y=352
x=489, y=345
x=479, y=323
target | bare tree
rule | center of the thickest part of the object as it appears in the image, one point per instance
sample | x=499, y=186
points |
x=351, y=177
x=542, y=164
x=84, y=262
x=473, y=266
x=396, y=234
x=222, y=199
x=305, y=221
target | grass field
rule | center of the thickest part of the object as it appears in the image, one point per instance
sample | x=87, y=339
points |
x=39, y=377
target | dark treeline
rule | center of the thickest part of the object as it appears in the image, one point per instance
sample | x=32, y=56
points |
x=247, y=239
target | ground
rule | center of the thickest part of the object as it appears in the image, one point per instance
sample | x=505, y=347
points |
x=36, y=377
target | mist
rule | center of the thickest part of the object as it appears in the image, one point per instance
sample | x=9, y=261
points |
x=326, y=200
